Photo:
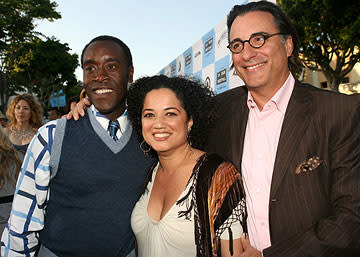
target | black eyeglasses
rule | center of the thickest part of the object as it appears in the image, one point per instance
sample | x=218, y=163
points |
x=256, y=40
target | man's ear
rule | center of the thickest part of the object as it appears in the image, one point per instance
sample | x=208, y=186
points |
x=289, y=46
x=131, y=74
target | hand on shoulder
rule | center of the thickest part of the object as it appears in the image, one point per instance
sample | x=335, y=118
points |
x=79, y=109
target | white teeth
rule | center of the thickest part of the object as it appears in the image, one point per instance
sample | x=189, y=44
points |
x=255, y=66
x=161, y=135
x=103, y=91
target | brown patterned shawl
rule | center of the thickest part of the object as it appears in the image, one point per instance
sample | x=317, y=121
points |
x=215, y=192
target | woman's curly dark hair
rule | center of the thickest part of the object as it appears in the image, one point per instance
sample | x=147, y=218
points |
x=196, y=98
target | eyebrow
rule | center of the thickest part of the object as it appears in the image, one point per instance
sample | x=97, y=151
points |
x=107, y=59
x=166, y=109
x=253, y=34
x=112, y=59
x=88, y=61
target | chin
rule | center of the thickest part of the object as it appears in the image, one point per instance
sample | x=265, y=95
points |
x=160, y=150
x=255, y=83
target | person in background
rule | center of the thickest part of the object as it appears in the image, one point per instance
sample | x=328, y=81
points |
x=54, y=114
x=25, y=117
x=193, y=204
x=9, y=169
x=81, y=180
x=296, y=146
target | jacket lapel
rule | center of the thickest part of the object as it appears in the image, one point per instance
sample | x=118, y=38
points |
x=241, y=122
x=295, y=123
x=238, y=116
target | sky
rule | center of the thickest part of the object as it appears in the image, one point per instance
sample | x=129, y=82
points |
x=156, y=31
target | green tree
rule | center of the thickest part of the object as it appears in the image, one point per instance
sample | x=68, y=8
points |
x=17, y=25
x=43, y=68
x=329, y=32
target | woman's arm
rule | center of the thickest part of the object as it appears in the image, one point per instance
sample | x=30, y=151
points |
x=225, y=248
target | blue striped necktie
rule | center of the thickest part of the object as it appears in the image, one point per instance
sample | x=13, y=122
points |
x=113, y=128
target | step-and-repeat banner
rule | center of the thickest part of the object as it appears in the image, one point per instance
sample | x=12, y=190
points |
x=208, y=60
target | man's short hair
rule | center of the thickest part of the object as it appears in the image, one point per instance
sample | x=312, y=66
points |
x=113, y=39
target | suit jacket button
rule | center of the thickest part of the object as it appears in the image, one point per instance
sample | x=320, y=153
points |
x=274, y=200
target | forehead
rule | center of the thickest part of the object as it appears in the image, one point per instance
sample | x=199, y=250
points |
x=246, y=25
x=101, y=49
x=161, y=96
x=22, y=102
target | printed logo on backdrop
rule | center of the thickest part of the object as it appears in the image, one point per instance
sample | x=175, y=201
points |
x=222, y=37
x=197, y=49
x=173, y=68
x=222, y=75
x=221, y=40
x=209, y=45
x=208, y=48
x=188, y=69
x=180, y=65
x=188, y=60
x=208, y=75
x=207, y=81
x=198, y=53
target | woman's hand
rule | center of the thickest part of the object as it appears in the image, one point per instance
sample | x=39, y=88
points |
x=241, y=246
x=249, y=251
x=79, y=109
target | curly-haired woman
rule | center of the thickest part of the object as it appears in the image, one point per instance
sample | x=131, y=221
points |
x=193, y=202
x=25, y=117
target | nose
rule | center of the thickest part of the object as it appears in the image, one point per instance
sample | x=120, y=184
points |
x=101, y=74
x=248, y=52
x=159, y=123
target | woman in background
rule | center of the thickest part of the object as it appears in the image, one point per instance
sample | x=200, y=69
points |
x=193, y=202
x=25, y=117
x=9, y=169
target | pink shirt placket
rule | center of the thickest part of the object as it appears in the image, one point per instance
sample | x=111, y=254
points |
x=260, y=146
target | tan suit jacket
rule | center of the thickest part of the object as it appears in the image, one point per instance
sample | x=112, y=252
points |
x=313, y=210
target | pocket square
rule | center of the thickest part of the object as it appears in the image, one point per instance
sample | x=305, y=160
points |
x=308, y=165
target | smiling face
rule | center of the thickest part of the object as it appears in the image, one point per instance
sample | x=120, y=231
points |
x=165, y=124
x=265, y=68
x=106, y=75
x=22, y=112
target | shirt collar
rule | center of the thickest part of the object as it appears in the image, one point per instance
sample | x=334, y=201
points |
x=104, y=121
x=281, y=98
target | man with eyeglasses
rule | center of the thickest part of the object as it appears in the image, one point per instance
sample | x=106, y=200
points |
x=297, y=146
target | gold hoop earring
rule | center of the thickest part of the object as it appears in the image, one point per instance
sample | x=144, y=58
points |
x=145, y=151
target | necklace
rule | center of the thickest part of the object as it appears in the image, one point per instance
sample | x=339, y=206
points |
x=22, y=135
